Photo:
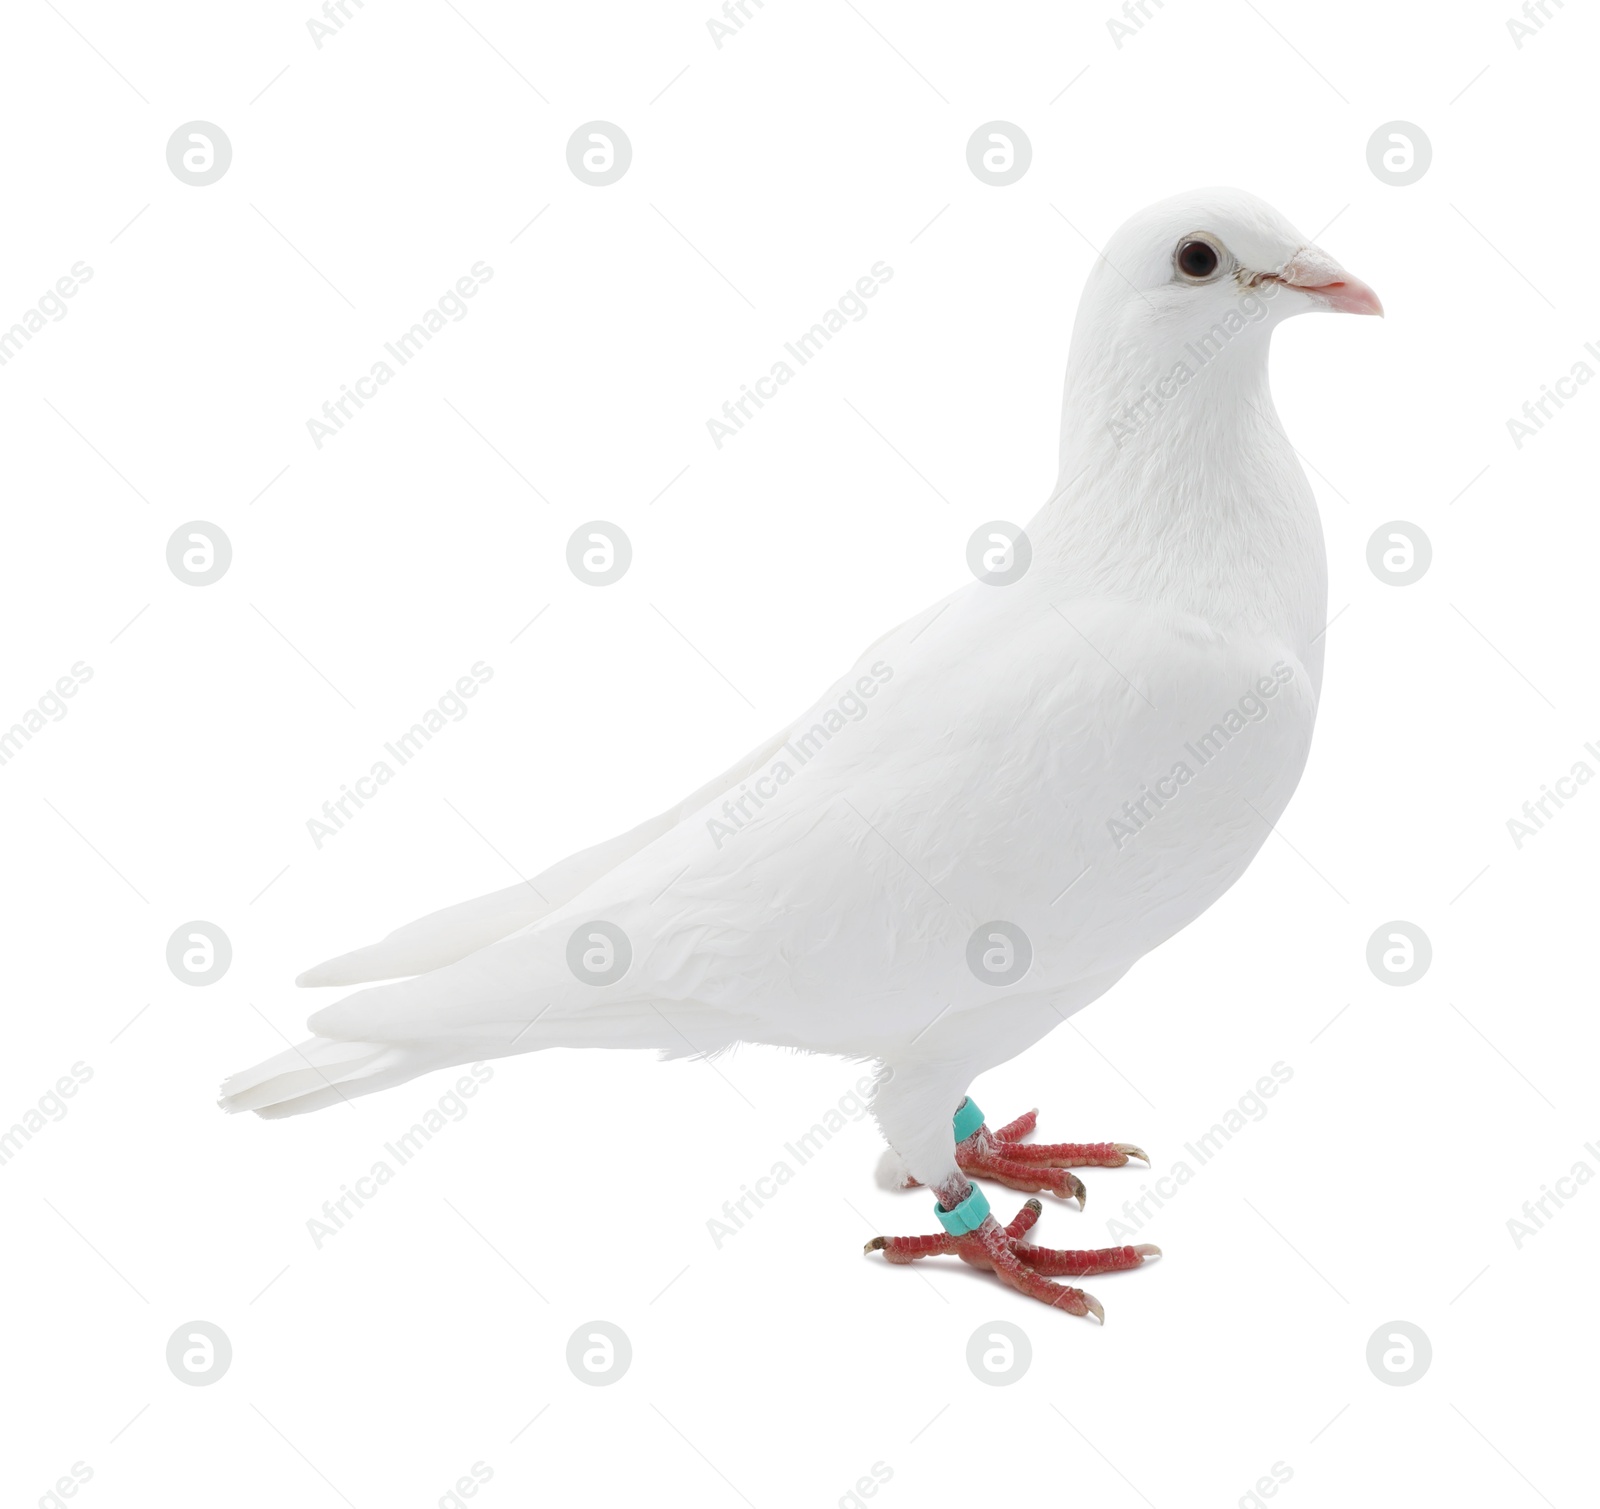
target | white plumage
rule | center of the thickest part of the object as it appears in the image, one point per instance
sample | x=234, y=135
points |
x=1019, y=758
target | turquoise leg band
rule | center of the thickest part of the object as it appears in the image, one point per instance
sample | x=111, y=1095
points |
x=967, y=1120
x=967, y=1216
x=971, y=1213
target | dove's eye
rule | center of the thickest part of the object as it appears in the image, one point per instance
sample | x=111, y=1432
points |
x=1197, y=259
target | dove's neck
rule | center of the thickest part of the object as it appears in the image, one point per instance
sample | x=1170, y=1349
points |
x=1178, y=485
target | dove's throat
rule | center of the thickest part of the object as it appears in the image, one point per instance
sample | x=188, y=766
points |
x=1178, y=484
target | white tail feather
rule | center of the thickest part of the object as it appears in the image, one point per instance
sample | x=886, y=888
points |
x=319, y=1072
x=443, y=937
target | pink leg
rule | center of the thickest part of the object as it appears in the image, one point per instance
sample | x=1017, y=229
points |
x=1013, y=1131
x=1024, y=1220
x=1073, y=1154
x=1003, y=1156
x=983, y=1157
x=909, y=1249
x=1061, y=1263
x=1028, y=1269
x=1036, y=1166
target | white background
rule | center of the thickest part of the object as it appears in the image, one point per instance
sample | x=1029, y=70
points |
x=768, y=175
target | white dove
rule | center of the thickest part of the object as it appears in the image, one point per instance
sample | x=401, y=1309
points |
x=981, y=827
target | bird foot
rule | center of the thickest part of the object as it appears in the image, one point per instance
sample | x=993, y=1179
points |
x=1036, y=1167
x=1030, y=1270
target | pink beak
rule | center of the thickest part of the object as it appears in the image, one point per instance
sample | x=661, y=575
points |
x=1313, y=271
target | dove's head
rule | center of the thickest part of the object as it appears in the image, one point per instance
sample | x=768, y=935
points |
x=1191, y=287
x=1199, y=257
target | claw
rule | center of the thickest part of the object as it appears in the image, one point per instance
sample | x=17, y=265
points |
x=1131, y=1150
x=1075, y=1187
x=1095, y=1308
x=876, y=1245
x=1145, y=1250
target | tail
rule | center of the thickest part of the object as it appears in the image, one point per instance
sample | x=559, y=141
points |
x=323, y=1071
